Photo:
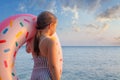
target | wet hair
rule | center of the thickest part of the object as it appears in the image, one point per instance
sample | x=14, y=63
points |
x=43, y=20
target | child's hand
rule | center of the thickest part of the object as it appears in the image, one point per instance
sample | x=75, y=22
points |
x=29, y=40
x=28, y=48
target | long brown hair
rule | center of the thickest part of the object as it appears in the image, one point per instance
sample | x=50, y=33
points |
x=43, y=20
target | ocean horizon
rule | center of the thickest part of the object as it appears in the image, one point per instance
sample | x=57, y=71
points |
x=80, y=63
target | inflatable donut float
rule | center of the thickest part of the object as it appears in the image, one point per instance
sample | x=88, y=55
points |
x=14, y=32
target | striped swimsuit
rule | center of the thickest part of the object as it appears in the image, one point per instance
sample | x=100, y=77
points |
x=40, y=69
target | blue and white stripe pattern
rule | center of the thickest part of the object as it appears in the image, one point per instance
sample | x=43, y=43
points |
x=41, y=70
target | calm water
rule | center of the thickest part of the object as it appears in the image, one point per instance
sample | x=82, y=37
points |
x=80, y=63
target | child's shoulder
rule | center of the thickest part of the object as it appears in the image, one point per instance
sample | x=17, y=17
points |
x=51, y=40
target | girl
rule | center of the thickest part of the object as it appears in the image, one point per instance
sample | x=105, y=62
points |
x=45, y=49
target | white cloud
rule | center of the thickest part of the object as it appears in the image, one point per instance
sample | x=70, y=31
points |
x=110, y=14
x=94, y=5
x=86, y=36
x=104, y=27
x=75, y=6
x=116, y=41
x=38, y=5
x=117, y=38
x=52, y=7
x=90, y=5
x=76, y=29
x=97, y=29
x=92, y=26
x=22, y=7
x=75, y=12
x=91, y=29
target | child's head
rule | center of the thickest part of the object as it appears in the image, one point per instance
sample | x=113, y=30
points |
x=46, y=20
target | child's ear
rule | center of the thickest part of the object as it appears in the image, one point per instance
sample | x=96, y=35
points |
x=50, y=26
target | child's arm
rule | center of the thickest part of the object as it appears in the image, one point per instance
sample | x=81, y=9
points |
x=53, y=60
x=28, y=46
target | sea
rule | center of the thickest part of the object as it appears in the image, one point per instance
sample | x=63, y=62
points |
x=80, y=63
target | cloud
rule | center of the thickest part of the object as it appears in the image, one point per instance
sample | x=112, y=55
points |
x=104, y=27
x=96, y=29
x=93, y=5
x=71, y=3
x=76, y=29
x=52, y=6
x=117, y=38
x=91, y=29
x=90, y=5
x=110, y=14
x=75, y=12
x=88, y=35
x=38, y=5
x=73, y=6
x=116, y=41
x=92, y=26
x=22, y=7
x=76, y=6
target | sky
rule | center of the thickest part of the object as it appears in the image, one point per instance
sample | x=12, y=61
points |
x=80, y=22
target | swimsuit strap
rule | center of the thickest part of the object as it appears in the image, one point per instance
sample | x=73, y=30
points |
x=42, y=40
